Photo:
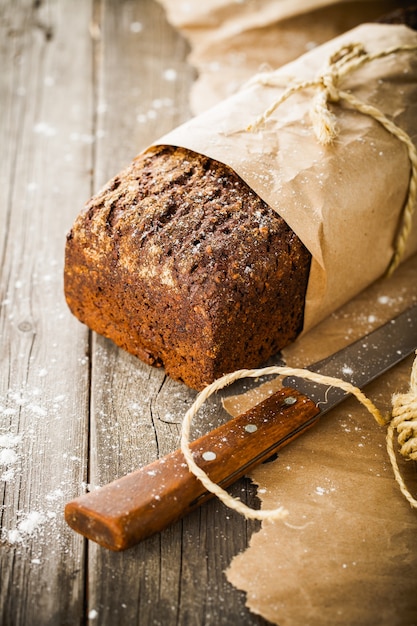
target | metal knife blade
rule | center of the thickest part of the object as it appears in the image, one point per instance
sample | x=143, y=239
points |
x=122, y=513
x=362, y=361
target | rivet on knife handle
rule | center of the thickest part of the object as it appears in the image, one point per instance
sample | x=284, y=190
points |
x=122, y=513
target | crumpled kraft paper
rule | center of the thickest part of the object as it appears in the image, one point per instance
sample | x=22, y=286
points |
x=344, y=201
x=231, y=41
x=347, y=553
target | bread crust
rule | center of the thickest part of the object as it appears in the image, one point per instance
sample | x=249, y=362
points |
x=180, y=263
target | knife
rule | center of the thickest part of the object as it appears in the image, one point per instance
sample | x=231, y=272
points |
x=126, y=511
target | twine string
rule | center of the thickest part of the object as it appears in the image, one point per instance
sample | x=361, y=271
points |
x=346, y=60
x=404, y=421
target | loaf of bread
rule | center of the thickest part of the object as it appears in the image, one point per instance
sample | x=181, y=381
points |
x=180, y=263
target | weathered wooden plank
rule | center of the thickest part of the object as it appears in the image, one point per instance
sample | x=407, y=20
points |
x=45, y=134
x=175, y=577
x=78, y=101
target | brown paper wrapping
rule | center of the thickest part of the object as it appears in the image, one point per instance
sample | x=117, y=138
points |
x=347, y=553
x=344, y=201
x=231, y=41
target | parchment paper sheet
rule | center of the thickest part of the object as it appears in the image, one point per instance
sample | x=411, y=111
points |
x=348, y=553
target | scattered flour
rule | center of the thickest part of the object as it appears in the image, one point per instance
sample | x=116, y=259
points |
x=159, y=107
x=28, y=526
x=31, y=522
x=42, y=128
x=34, y=524
x=170, y=74
x=8, y=456
x=8, y=475
x=9, y=441
x=38, y=524
x=136, y=27
x=384, y=300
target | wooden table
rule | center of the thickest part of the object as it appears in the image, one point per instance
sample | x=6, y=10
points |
x=85, y=85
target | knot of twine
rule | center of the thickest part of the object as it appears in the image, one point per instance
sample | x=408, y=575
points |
x=404, y=420
x=327, y=84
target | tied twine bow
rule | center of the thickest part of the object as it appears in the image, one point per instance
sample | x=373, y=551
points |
x=327, y=85
x=404, y=421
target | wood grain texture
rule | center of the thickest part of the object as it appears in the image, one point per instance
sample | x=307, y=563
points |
x=44, y=385
x=84, y=86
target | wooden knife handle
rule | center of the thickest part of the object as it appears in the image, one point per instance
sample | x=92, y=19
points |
x=122, y=513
